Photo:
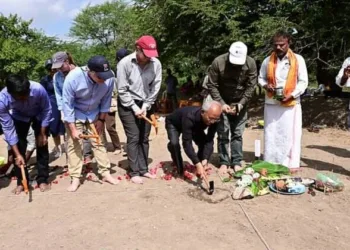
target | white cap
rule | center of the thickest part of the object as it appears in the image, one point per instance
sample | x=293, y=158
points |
x=238, y=53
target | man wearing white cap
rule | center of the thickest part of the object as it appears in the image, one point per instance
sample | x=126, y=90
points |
x=231, y=81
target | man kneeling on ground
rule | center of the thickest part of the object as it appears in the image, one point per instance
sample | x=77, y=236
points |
x=192, y=122
x=87, y=93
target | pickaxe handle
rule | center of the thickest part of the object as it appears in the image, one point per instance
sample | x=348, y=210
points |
x=148, y=120
x=24, y=180
x=88, y=136
x=93, y=128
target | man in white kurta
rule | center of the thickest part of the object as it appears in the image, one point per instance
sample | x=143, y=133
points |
x=283, y=124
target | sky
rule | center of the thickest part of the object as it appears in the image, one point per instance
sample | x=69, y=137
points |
x=54, y=18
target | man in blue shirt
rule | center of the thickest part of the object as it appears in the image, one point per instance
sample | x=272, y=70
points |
x=87, y=93
x=23, y=102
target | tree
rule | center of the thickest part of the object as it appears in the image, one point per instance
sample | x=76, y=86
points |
x=23, y=50
x=109, y=24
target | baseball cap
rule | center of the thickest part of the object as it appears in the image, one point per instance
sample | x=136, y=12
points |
x=58, y=59
x=48, y=64
x=121, y=53
x=238, y=53
x=101, y=67
x=148, y=45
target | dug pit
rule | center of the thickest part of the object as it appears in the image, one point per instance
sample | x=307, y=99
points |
x=219, y=195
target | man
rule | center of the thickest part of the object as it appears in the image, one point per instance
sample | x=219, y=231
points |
x=282, y=114
x=171, y=84
x=232, y=79
x=191, y=122
x=342, y=79
x=87, y=93
x=56, y=126
x=139, y=77
x=121, y=53
x=23, y=102
x=63, y=62
x=110, y=118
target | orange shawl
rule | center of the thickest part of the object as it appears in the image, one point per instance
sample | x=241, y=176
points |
x=291, y=79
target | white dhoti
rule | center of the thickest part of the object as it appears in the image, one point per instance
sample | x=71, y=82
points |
x=282, y=135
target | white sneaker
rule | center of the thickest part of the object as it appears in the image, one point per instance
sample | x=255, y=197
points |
x=57, y=152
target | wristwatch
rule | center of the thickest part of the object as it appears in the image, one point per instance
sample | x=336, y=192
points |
x=102, y=120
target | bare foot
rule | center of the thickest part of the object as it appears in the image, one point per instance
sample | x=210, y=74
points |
x=294, y=170
x=44, y=187
x=117, y=151
x=223, y=169
x=18, y=190
x=150, y=176
x=110, y=179
x=87, y=160
x=136, y=180
x=74, y=185
x=237, y=168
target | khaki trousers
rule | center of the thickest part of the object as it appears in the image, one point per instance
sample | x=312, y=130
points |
x=75, y=153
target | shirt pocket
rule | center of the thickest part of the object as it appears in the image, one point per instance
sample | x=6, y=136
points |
x=284, y=71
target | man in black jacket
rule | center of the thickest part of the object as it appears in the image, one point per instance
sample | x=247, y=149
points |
x=192, y=122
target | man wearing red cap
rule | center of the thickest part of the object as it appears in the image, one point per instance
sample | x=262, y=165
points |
x=139, y=77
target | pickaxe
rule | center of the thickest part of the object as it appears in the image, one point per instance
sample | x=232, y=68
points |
x=153, y=122
x=94, y=135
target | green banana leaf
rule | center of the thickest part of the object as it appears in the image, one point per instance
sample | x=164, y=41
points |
x=270, y=167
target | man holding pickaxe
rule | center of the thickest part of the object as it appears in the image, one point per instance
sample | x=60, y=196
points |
x=25, y=103
x=139, y=77
x=87, y=93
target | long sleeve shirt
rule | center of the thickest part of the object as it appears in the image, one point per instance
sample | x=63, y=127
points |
x=282, y=70
x=188, y=121
x=36, y=106
x=228, y=83
x=58, y=80
x=84, y=99
x=136, y=83
x=338, y=78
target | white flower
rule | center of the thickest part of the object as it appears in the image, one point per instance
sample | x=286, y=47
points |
x=249, y=171
x=256, y=176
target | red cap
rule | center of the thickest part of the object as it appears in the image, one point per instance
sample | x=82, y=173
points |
x=148, y=45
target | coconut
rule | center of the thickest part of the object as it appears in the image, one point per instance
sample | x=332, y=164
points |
x=263, y=172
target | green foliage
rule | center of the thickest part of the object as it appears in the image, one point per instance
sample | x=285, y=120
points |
x=189, y=33
x=21, y=48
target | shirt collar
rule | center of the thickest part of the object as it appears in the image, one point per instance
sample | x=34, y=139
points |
x=133, y=58
x=86, y=75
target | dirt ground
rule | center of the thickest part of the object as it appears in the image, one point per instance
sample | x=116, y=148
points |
x=161, y=215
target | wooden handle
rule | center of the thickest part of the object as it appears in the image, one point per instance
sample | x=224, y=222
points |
x=148, y=120
x=93, y=128
x=88, y=136
x=24, y=180
x=154, y=121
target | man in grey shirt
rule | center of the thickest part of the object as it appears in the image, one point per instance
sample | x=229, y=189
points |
x=139, y=77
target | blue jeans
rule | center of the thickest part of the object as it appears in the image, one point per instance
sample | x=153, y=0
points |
x=230, y=131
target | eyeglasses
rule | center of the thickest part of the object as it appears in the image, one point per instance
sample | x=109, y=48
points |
x=213, y=119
